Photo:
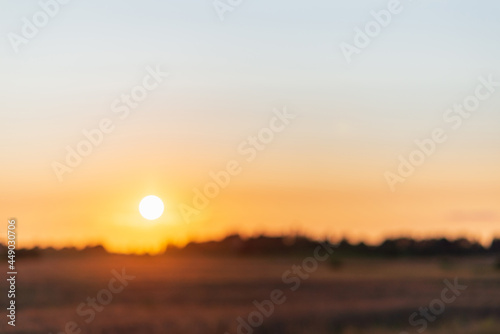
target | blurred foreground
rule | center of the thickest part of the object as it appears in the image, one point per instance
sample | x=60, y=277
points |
x=196, y=294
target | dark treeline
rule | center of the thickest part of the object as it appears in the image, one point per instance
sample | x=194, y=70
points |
x=297, y=245
x=301, y=245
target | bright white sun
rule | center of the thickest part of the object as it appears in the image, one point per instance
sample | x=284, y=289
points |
x=151, y=207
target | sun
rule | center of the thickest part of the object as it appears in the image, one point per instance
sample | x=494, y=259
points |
x=151, y=207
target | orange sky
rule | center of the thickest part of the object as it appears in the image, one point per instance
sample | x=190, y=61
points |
x=102, y=205
x=321, y=172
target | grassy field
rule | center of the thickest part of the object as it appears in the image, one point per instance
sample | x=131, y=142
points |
x=207, y=295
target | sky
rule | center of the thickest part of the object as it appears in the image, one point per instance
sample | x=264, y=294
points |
x=324, y=174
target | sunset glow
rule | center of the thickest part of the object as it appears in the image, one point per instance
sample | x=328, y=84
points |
x=250, y=130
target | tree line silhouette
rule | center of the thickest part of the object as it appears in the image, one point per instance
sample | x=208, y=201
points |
x=297, y=245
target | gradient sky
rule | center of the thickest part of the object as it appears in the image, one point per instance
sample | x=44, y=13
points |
x=323, y=175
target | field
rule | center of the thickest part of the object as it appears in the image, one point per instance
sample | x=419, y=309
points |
x=205, y=295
